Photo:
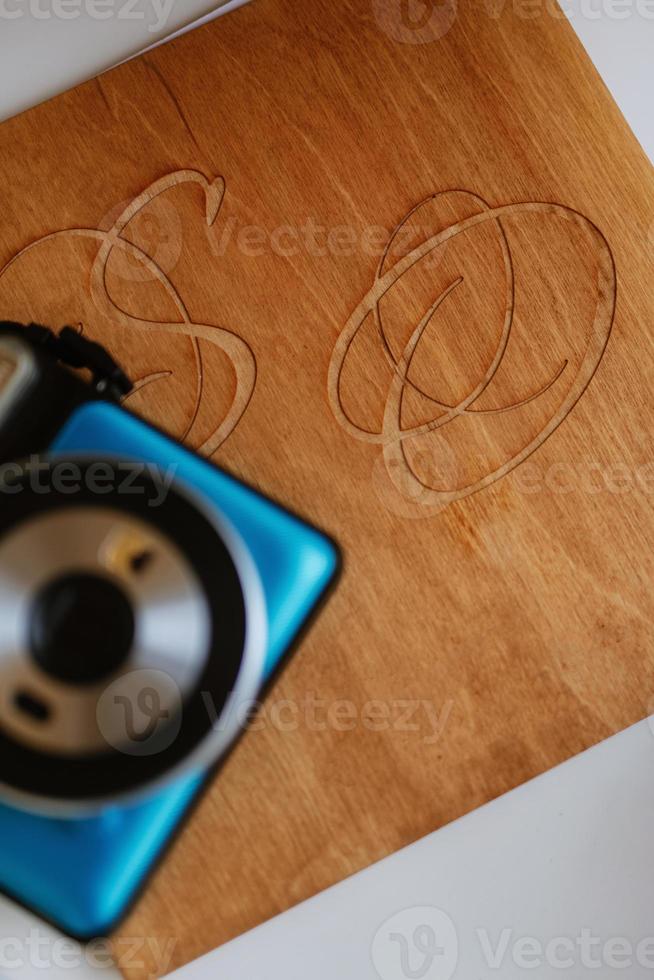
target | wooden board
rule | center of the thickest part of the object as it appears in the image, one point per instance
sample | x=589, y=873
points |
x=406, y=289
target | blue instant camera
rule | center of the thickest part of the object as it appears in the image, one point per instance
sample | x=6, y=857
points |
x=146, y=599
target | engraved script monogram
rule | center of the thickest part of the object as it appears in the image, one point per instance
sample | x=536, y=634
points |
x=563, y=385
x=114, y=239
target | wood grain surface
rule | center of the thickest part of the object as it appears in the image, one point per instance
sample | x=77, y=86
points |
x=397, y=273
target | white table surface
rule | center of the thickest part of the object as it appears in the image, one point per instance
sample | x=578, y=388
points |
x=619, y=37
x=552, y=880
x=41, y=57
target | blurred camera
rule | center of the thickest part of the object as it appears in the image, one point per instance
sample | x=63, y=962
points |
x=144, y=592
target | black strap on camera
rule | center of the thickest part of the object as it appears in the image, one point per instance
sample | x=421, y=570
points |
x=32, y=413
x=75, y=351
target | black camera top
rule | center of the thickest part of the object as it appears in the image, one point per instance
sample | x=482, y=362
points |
x=41, y=383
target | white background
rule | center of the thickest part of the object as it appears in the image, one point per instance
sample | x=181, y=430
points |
x=40, y=57
x=619, y=37
x=555, y=880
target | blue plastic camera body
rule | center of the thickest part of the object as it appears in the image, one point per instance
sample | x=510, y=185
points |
x=83, y=873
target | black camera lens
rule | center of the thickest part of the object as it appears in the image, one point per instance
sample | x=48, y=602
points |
x=82, y=628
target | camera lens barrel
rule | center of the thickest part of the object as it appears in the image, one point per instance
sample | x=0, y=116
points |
x=132, y=636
